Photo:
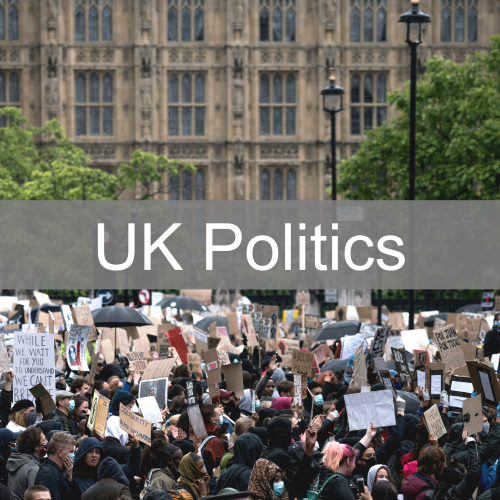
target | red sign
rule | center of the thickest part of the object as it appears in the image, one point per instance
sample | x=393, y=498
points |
x=177, y=340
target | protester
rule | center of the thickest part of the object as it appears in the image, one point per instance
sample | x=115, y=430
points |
x=22, y=415
x=193, y=479
x=37, y=492
x=79, y=386
x=111, y=482
x=64, y=405
x=165, y=474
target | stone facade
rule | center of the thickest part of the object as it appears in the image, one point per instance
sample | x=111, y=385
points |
x=130, y=46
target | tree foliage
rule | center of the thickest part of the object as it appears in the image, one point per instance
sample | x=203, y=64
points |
x=61, y=171
x=457, y=137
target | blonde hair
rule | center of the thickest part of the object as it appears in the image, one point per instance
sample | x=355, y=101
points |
x=241, y=426
x=17, y=418
x=335, y=454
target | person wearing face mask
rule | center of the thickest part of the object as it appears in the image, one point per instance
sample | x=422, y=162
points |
x=231, y=403
x=22, y=415
x=211, y=447
x=7, y=446
x=266, y=482
x=312, y=408
x=167, y=459
x=80, y=413
x=24, y=463
x=193, y=483
x=65, y=404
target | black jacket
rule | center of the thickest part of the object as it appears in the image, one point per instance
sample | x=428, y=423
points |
x=114, y=449
x=112, y=483
x=337, y=487
x=67, y=424
x=51, y=476
x=5, y=405
x=492, y=341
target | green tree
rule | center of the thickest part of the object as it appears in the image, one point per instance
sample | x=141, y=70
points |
x=59, y=170
x=457, y=136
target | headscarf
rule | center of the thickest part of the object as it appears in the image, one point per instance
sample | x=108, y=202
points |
x=261, y=479
x=282, y=403
x=281, y=459
x=224, y=461
x=371, y=475
x=280, y=433
x=190, y=473
x=113, y=430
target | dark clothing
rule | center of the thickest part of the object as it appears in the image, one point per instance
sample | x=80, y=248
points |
x=51, y=476
x=247, y=450
x=5, y=405
x=22, y=469
x=4, y=493
x=417, y=485
x=67, y=424
x=4, y=457
x=111, y=484
x=113, y=448
x=337, y=487
x=492, y=342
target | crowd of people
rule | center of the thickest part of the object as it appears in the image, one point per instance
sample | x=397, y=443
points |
x=262, y=443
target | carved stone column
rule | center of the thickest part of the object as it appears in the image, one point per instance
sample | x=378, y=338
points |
x=51, y=58
x=239, y=171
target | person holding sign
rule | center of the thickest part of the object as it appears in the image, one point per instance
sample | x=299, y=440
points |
x=21, y=416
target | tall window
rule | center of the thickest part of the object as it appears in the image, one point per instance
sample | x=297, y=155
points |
x=187, y=185
x=94, y=104
x=186, y=104
x=277, y=20
x=368, y=21
x=459, y=20
x=191, y=16
x=9, y=19
x=93, y=20
x=277, y=184
x=368, y=102
x=10, y=94
x=277, y=104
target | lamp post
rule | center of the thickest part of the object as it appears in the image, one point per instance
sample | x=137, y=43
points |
x=332, y=103
x=414, y=20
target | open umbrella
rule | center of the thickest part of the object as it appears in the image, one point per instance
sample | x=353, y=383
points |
x=335, y=331
x=49, y=306
x=204, y=323
x=119, y=317
x=181, y=302
x=430, y=320
x=471, y=308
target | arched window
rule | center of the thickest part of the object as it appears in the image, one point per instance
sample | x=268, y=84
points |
x=264, y=185
x=290, y=23
x=368, y=25
x=291, y=185
x=264, y=89
x=199, y=112
x=186, y=110
x=381, y=21
x=186, y=24
x=2, y=27
x=93, y=22
x=381, y=89
x=278, y=185
x=3, y=93
x=13, y=20
x=98, y=16
x=290, y=99
x=80, y=88
x=277, y=22
x=107, y=23
x=107, y=88
x=355, y=88
x=80, y=24
x=446, y=22
x=172, y=21
x=264, y=110
x=277, y=110
x=459, y=25
x=186, y=89
x=459, y=20
x=200, y=184
x=94, y=88
x=198, y=24
x=355, y=25
x=368, y=97
x=173, y=187
x=14, y=94
x=187, y=185
x=199, y=89
x=370, y=18
x=472, y=22
x=173, y=88
x=264, y=21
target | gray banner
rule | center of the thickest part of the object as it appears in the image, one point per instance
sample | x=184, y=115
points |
x=269, y=245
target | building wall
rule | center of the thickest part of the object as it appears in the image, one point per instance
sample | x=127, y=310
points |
x=231, y=59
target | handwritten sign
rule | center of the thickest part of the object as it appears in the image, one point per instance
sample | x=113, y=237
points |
x=101, y=416
x=83, y=316
x=135, y=425
x=473, y=415
x=194, y=363
x=302, y=361
x=378, y=344
x=137, y=360
x=248, y=328
x=4, y=357
x=449, y=347
x=76, y=347
x=434, y=422
x=359, y=376
x=196, y=421
x=401, y=363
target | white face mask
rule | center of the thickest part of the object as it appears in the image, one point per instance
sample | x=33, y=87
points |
x=134, y=408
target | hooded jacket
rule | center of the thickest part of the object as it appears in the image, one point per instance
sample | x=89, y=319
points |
x=416, y=486
x=112, y=482
x=51, y=476
x=163, y=479
x=115, y=441
x=277, y=377
x=279, y=431
x=22, y=470
x=247, y=450
x=213, y=448
x=85, y=482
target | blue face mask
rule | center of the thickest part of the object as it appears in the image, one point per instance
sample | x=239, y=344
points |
x=13, y=448
x=335, y=414
x=83, y=414
x=30, y=418
x=279, y=488
x=257, y=404
x=397, y=386
x=318, y=400
x=72, y=456
x=71, y=406
x=221, y=420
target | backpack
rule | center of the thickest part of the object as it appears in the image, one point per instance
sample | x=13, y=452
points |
x=315, y=494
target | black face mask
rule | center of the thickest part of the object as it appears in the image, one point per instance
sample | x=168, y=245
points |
x=296, y=432
x=229, y=407
x=370, y=463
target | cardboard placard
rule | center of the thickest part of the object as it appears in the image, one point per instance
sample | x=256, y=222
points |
x=201, y=340
x=223, y=358
x=204, y=296
x=213, y=342
x=484, y=328
x=196, y=421
x=101, y=416
x=93, y=411
x=449, y=347
x=322, y=353
x=399, y=356
x=461, y=389
x=135, y=425
x=473, y=415
x=473, y=325
x=232, y=323
x=413, y=338
x=107, y=350
x=396, y=320
x=248, y=329
x=359, y=376
x=194, y=362
x=93, y=365
x=419, y=359
x=76, y=347
x=434, y=380
x=485, y=382
x=285, y=348
x=163, y=342
x=233, y=375
x=82, y=315
x=433, y=421
x=4, y=356
x=212, y=365
x=41, y=298
x=302, y=361
x=39, y=392
x=311, y=321
x=223, y=335
x=177, y=341
x=159, y=368
x=156, y=388
x=378, y=344
x=497, y=303
x=460, y=323
x=303, y=298
x=365, y=407
x=150, y=409
x=138, y=360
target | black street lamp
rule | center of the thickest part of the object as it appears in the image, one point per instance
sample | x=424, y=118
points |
x=332, y=103
x=414, y=20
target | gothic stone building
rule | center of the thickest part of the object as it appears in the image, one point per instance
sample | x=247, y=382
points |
x=230, y=85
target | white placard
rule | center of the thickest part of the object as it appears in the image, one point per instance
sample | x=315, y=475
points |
x=350, y=344
x=456, y=401
x=365, y=407
x=435, y=384
x=198, y=334
x=96, y=303
x=413, y=338
x=155, y=311
x=76, y=348
x=33, y=364
x=466, y=387
x=156, y=297
x=421, y=379
x=150, y=409
x=495, y=359
x=67, y=316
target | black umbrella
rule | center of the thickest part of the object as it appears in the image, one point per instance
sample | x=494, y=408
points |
x=335, y=331
x=430, y=320
x=335, y=365
x=180, y=302
x=204, y=323
x=119, y=317
x=471, y=308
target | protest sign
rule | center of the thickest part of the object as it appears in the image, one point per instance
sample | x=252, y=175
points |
x=302, y=361
x=473, y=415
x=397, y=321
x=497, y=303
x=163, y=342
x=33, y=364
x=196, y=421
x=285, y=348
x=303, y=298
x=204, y=296
x=297, y=389
x=350, y=344
x=223, y=335
x=107, y=350
x=233, y=375
x=378, y=344
x=156, y=388
x=420, y=378
x=138, y=360
x=82, y=315
x=212, y=329
x=212, y=365
x=101, y=417
x=201, y=340
x=160, y=368
x=434, y=380
x=359, y=376
x=312, y=321
x=93, y=365
x=419, y=359
x=223, y=358
x=485, y=382
x=365, y=407
x=433, y=421
x=248, y=329
x=322, y=353
x=150, y=409
x=396, y=342
x=41, y=298
x=473, y=326
x=411, y=339
x=194, y=363
x=461, y=389
x=76, y=347
x=484, y=328
x=177, y=341
x=191, y=395
x=4, y=357
x=135, y=425
x=399, y=356
x=213, y=342
x=39, y=392
x=232, y=323
x=449, y=347
x=93, y=411
x=460, y=323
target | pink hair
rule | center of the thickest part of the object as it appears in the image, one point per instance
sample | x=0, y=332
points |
x=335, y=454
